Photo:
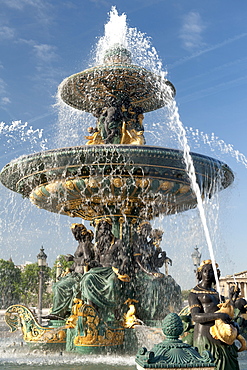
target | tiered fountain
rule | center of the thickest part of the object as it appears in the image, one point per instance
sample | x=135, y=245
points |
x=119, y=184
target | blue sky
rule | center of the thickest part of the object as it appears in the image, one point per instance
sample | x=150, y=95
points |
x=203, y=47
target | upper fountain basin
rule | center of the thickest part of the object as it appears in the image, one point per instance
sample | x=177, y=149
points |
x=90, y=90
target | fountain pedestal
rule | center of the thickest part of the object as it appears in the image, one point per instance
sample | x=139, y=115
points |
x=172, y=353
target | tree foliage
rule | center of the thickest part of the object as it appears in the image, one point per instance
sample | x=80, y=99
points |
x=185, y=294
x=64, y=264
x=30, y=278
x=10, y=277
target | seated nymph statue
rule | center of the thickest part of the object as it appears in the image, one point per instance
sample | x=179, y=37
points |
x=204, y=303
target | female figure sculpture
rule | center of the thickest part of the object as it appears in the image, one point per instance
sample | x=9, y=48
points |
x=103, y=286
x=203, y=302
x=84, y=255
x=148, y=255
x=68, y=287
x=153, y=290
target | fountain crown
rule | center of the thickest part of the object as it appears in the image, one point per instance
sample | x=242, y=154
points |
x=117, y=54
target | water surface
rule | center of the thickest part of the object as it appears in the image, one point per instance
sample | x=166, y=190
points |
x=16, y=355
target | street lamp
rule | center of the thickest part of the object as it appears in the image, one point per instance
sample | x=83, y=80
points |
x=196, y=257
x=41, y=257
x=59, y=268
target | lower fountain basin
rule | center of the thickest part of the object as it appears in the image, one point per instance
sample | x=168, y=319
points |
x=95, y=180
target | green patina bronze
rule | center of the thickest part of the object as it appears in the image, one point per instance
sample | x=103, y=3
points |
x=172, y=353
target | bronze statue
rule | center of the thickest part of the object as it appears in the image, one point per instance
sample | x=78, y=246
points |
x=118, y=123
x=240, y=315
x=109, y=251
x=132, y=129
x=102, y=286
x=112, y=125
x=142, y=249
x=204, y=303
x=95, y=136
x=84, y=255
x=109, y=125
x=67, y=288
x=159, y=257
x=152, y=288
x=148, y=255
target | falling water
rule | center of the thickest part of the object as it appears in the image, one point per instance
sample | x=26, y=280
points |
x=72, y=123
x=115, y=33
x=118, y=32
x=24, y=228
x=13, y=355
x=214, y=143
x=145, y=55
x=177, y=125
x=20, y=133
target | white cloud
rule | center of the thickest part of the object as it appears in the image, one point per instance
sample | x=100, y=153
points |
x=15, y=4
x=191, y=31
x=228, y=84
x=207, y=50
x=41, y=9
x=5, y=100
x=2, y=86
x=45, y=56
x=45, y=52
x=6, y=33
x=20, y=4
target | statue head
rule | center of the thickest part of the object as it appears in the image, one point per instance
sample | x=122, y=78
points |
x=144, y=228
x=78, y=230
x=104, y=225
x=241, y=304
x=90, y=234
x=157, y=234
x=73, y=226
x=205, y=267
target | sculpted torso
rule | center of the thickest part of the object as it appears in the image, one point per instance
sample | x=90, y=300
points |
x=203, y=301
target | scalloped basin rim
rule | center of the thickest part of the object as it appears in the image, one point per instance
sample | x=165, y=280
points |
x=110, y=147
x=130, y=155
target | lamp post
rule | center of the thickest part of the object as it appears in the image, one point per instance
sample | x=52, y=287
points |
x=41, y=257
x=196, y=257
x=59, y=268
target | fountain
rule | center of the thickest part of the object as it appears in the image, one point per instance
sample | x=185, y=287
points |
x=119, y=184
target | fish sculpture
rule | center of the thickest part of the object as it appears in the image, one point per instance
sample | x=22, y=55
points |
x=227, y=333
